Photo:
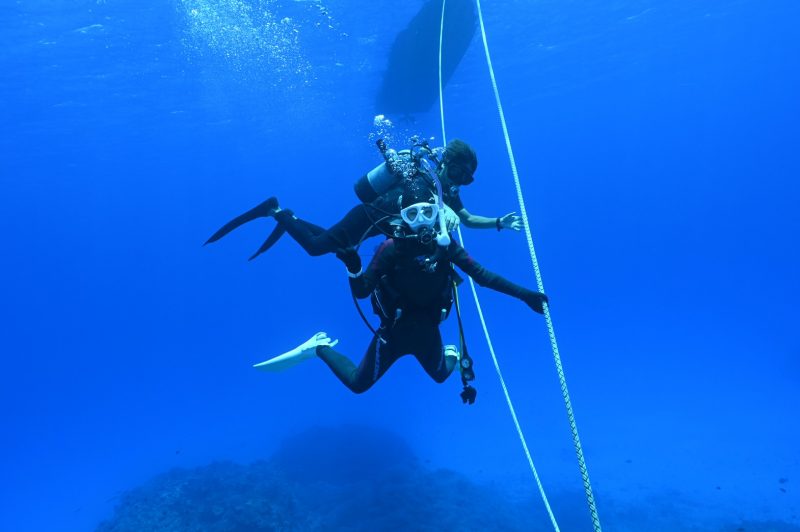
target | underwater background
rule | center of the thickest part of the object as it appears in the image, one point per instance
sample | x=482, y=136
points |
x=658, y=147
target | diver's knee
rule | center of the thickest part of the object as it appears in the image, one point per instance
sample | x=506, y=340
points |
x=439, y=378
x=357, y=383
x=359, y=387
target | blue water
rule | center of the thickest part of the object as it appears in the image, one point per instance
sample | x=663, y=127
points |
x=657, y=143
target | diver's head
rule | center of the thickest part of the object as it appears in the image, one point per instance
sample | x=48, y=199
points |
x=419, y=209
x=460, y=162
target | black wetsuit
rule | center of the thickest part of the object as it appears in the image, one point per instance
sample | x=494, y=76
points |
x=417, y=280
x=363, y=221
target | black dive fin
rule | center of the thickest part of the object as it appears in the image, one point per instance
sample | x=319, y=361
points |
x=273, y=237
x=262, y=210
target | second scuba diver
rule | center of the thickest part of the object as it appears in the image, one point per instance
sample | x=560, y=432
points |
x=379, y=191
x=411, y=281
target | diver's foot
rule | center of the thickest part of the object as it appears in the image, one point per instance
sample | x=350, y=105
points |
x=270, y=207
x=309, y=347
x=304, y=351
x=451, y=351
x=264, y=209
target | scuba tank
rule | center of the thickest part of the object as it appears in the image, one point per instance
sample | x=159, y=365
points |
x=405, y=164
x=380, y=179
x=395, y=167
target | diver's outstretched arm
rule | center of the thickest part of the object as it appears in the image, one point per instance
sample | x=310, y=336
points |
x=508, y=221
x=482, y=276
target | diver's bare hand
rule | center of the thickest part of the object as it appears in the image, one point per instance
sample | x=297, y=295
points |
x=511, y=221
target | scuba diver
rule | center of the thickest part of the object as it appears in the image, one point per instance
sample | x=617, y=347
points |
x=379, y=192
x=411, y=282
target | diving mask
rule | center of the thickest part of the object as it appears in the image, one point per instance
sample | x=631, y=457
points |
x=460, y=173
x=420, y=215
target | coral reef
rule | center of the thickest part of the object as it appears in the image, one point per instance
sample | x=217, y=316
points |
x=355, y=478
x=326, y=479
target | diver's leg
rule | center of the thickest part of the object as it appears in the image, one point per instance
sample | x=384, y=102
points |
x=346, y=232
x=349, y=231
x=378, y=358
x=304, y=233
x=429, y=351
x=312, y=228
x=313, y=238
